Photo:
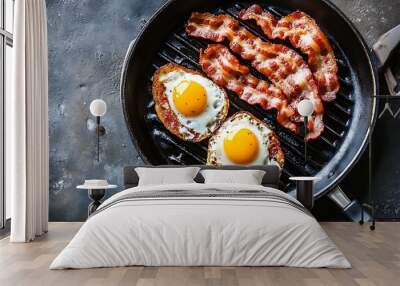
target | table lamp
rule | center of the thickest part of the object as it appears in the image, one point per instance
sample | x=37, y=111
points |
x=305, y=109
x=98, y=108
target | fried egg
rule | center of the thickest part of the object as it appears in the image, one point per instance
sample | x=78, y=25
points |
x=190, y=105
x=244, y=140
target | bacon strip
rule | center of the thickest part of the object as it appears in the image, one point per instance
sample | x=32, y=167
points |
x=283, y=66
x=303, y=33
x=226, y=71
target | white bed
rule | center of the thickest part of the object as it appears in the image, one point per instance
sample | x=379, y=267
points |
x=223, y=224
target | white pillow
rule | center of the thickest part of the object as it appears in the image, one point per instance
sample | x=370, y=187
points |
x=163, y=176
x=248, y=177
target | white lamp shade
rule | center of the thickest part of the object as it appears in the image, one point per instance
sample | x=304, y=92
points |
x=98, y=107
x=305, y=107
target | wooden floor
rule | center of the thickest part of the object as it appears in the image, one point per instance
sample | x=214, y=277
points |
x=375, y=257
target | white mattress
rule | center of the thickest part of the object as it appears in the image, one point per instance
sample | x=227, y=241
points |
x=188, y=231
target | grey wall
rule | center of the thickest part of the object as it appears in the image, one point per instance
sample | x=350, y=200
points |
x=87, y=44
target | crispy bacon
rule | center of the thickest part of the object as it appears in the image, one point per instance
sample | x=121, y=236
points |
x=226, y=71
x=303, y=33
x=283, y=66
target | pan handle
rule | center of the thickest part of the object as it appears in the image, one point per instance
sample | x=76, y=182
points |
x=383, y=50
x=352, y=209
x=386, y=44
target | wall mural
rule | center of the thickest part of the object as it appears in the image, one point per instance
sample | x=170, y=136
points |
x=180, y=107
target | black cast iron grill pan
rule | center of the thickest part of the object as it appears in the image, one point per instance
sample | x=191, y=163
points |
x=164, y=40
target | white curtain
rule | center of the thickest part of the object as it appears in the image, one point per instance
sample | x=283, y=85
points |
x=27, y=124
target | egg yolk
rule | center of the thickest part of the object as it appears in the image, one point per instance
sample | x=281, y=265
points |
x=241, y=147
x=190, y=98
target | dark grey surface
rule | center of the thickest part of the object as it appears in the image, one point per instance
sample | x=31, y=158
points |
x=270, y=179
x=87, y=44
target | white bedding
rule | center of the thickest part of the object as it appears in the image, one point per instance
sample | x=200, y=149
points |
x=182, y=231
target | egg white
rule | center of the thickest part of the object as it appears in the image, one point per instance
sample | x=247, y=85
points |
x=233, y=125
x=206, y=121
